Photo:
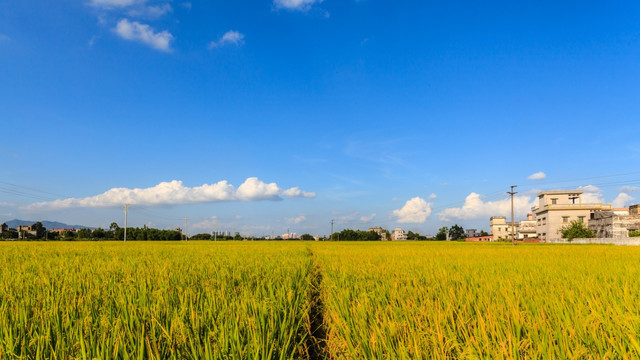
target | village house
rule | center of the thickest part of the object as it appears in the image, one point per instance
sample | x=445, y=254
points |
x=616, y=223
x=398, y=234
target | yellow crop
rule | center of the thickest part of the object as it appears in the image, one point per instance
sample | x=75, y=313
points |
x=296, y=300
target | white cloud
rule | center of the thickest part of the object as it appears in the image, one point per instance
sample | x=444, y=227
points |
x=231, y=37
x=210, y=223
x=109, y=4
x=622, y=200
x=537, y=176
x=296, y=192
x=296, y=220
x=135, y=31
x=175, y=193
x=367, y=219
x=475, y=207
x=415, y=210
x=187, y=5
x=432, y=196
x=300, y=5
x=346, y=219
x=592, y=194
x=153, y=11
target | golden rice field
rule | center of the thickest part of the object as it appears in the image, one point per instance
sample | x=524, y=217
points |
x=297, y=300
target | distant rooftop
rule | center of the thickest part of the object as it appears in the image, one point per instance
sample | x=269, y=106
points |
x=558, y=192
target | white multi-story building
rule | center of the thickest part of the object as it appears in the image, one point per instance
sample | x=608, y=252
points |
x=558, y=208
x=398, y=234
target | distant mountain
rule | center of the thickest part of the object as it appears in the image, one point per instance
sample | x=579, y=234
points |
x=50, y=225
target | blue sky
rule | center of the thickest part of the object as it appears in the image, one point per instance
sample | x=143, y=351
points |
x=414, y=114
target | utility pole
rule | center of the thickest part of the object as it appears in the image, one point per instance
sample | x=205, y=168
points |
x=513, y=234
x=126, y=213
x=331, y=229
x=186, y=228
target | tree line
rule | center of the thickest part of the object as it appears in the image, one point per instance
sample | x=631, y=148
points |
x=115, y=232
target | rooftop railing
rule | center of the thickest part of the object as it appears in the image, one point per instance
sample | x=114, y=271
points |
x=583, y=206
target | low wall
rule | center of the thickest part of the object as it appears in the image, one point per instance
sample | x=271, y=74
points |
x=610, y=241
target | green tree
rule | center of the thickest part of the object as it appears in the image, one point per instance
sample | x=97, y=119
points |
x=40, y=230
x=203, y=236
x=484, y=233
x=83, y=234
x=442, y=233
x=10, y=234
x=307, y=237
x=355, y=235
x=67, y=235
x=99, y=233
x=576, y=230
x=456, y=232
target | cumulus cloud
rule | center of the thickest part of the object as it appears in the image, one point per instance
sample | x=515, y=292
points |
x=537, y=176
x=432, y=196
x=175, y=193
x=416, y=210
x=135, y=31
x=231, y=37
x=622, y=200
x=300, y=5
x=296, y=192
x=592, y=194
x=475, y=207
x=296, y=220
x=367, y=219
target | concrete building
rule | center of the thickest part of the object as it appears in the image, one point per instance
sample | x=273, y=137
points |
x=470, y=233
x=26, y=229
x=378, y=230
x=289, y=236
x=4, y=227
x=527, y=228
x=500, y=229
x=613, y=224
x=398, y=234
x=558, y=208
x=621, y=211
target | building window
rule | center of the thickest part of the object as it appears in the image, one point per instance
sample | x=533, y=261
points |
x=565, y=219
x=581, y=218
x=554, y=201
